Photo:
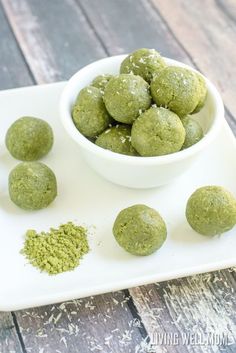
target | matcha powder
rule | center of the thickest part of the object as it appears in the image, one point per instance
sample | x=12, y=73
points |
x=58, y=250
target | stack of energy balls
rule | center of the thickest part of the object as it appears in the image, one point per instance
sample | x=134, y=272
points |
x=32, y=184
x=145, y=110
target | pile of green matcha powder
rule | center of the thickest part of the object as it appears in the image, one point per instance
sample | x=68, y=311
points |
x=58, y=250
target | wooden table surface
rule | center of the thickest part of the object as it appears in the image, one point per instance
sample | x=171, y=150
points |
x=46, y=41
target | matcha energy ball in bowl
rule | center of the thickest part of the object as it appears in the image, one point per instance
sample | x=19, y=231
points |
x=193, y=131
x=143, y=62
x=117, y=139
x=89, y=112
x=129, y=170
x=126, y=96
x=29, y=138
x=101, y=81
x=176, y=88
x=202, y=94
x=156, y=132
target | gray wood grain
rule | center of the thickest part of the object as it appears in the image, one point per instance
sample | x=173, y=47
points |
x=100, y=324
x=54, y=36
x=13, y=70
x=202, y=304
x=9, y=340
x=124, y=26
x=228, y=8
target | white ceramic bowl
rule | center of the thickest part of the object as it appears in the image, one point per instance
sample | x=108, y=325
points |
x=137, y=172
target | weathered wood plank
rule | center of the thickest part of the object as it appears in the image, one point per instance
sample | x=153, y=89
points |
x=209, y=37
x=54, y=37
x=13, y=71
x=127, y=25
x=9, y=340
x=229, y=9
x=103, y=324
x=201, y=305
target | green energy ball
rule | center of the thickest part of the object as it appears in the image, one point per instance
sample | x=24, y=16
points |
x=89, y=113
x=211, y=210
x=126, y=96
x=156, y=132
x=29, y=139
x=140, y=230
x=193, y=130
x=32, y=185
x=176, y=88
x=143, y=62
x=202, y=93
x=101, y=81
x=117, y=139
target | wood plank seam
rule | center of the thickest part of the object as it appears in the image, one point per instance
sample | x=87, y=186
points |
x=20, y=337
x=134, y=311
x=153, y=7
x=89, y=22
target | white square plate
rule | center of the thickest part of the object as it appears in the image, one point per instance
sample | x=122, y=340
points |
x=86, y=198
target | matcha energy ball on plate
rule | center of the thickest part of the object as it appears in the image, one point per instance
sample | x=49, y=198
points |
x=32, y=185
x=126, y=96
x=140, y=230
x=211, y=210
x=158, y=131
x=143, y=62
x=89, y=113
x=193, y=130
x=117, y=139
x=176, y=88
x=101, y=81
x=202, y=94
x=29, y=139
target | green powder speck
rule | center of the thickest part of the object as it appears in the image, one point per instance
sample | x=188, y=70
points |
x=58, y=250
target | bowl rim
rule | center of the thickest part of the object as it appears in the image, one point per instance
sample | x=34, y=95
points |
x=66, y=119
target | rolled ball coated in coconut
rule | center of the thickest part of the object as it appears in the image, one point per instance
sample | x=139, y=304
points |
x=32, y=185
x=126, y=96
x=211, y=210
x=29, y=138
x=140, y=230
x=143, y=62
x=176, y=88
x=89, y=112
x=158, y=131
